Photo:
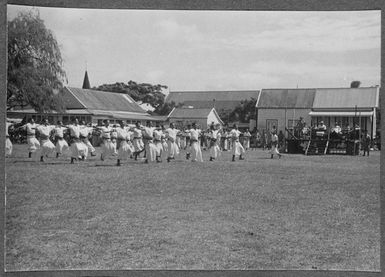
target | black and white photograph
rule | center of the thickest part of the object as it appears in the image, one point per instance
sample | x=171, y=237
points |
x=142, y=139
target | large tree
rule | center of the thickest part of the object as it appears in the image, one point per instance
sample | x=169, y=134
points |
x=241, y=113
x=142, y=93
x=35, y=73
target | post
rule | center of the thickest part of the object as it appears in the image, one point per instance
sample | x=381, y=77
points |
x=286, y=128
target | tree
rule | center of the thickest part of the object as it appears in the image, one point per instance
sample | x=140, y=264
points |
x=141, y=93
x=242, y=113
x=355, y=84
x=166, y=108
x=35, y=74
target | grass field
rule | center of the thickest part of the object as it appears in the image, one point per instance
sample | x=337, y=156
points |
x=299, y=212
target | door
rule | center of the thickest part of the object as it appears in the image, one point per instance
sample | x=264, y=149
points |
x=270, y=123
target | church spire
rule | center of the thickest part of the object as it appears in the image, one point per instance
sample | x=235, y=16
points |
x=86, y=82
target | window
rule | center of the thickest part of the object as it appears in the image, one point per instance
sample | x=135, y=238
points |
x=100, y=122
x=270, y=123
x=292, y=123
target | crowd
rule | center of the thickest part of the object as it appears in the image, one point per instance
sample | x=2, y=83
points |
x=127, y=141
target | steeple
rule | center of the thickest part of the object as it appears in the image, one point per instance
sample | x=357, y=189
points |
x=86, y=82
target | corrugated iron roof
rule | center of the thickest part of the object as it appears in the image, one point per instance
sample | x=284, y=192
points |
x=286, y=98
x=346, y=98
x=205, y=99
x=189, y=113
x=102, y=100
x=69, y=111
x=124, y=115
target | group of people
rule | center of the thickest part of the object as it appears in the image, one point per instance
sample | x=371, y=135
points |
x=125, y=141
x=337, y=132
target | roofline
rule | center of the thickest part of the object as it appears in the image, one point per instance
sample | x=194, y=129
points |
x=170, y=112
x=208, y=91
x=317, y=88
x=81, y=103
x=283, y=108
x=259, y=97
x=215, y=111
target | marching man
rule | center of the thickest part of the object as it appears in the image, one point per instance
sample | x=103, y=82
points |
x=148, y=136
x=237, y=146
x=8, y=143
x=158, y=143
x=196, y=152
x=61, y=144
x=214, y=135
x=274, y=145
x=33, y=143
x=47, y=147
x=108, y=147
x=78, y=148
x=137, y=140
x=164, y=139
x=123, y=142
x=173, y=149
x=85, y=132
x=246, y=142
x=188, y=141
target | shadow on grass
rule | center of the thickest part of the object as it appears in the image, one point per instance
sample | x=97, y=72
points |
x=42, y=163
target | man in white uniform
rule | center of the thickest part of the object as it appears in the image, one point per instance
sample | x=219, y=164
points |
x=214, y=135
x=78, y=148
x=173, y=149
x=137, y=140
x=188, y=141
x=158, y=143
x=8, y=143
x=164, y=139
x=33, y=143
x=196, y=152
x=108, y=147
x=148, y=137
x=246, y=142
x=61, y=144
x=237, y=146
x=46, y=145
x=274, y=145
x=85, y=133
x=123, y=142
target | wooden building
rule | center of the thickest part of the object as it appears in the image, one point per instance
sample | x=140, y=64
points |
x=202, y=117
x=220, y=100
x=282, y=108
x=347, y=107
x=91, y=106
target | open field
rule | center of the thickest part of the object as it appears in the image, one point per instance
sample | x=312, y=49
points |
x=299, y=212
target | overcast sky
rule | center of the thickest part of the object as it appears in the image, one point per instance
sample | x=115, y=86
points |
x=217, y=50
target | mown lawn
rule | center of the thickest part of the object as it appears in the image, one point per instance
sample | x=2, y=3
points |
x=299, y=212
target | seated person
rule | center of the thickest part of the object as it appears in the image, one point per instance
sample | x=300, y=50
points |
x=321, y=126
x=337, y=129
x=305, y=130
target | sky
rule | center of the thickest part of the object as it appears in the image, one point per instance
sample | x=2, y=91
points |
x=217, y=50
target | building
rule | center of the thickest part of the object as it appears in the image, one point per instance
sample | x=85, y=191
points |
x=282, y=108
x=220, y=100
x=347, y=107
x=202, y=117
x=91, y=106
